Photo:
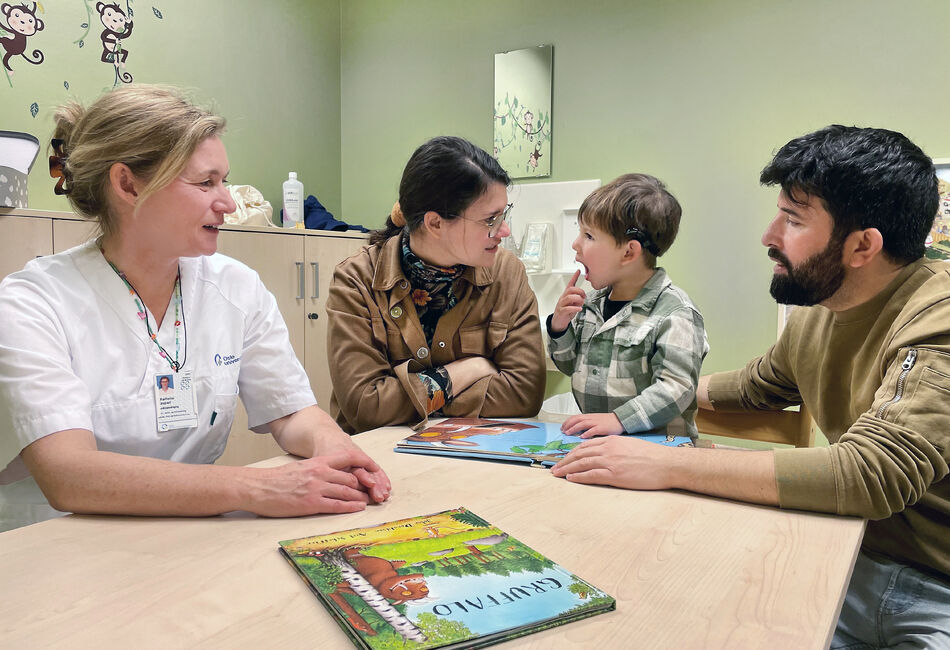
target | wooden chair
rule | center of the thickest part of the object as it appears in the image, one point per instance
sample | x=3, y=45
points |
x=784, y=427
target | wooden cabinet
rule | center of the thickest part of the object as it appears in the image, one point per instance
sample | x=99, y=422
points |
x=322, y=254
x=24, y=236
x=295, y=265
x=68, y=233
x=275, y=257
x=22, y=239
x=297, y=268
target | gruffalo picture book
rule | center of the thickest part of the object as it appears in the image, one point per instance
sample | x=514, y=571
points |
x=447, y=580
x=526, y=441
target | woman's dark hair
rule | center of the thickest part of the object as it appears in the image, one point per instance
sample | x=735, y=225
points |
x=445, y=175
x=866, y=178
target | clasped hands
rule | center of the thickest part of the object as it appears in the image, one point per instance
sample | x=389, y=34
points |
x=343, y=481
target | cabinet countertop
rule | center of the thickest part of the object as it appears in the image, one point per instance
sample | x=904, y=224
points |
x=72, y=216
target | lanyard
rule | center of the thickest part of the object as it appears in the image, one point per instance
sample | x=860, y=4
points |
x=179, y=321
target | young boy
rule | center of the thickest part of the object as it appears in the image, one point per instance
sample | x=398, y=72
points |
x=634, y=348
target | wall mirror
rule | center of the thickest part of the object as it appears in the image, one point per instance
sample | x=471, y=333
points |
x=523, y=111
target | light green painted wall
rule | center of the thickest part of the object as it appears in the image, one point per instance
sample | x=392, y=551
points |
x=272, y=70
x=697, y=93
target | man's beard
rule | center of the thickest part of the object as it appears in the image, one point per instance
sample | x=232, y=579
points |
x=813, y=281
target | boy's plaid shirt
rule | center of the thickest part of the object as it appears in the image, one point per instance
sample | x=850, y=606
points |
x=643, y=364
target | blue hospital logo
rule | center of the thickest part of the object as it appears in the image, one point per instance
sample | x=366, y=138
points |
x=226, y=360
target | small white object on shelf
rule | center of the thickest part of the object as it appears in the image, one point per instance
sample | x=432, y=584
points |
x=569, y=271
x=512, y=242
x=534, y=247
x=569, y=233
x=293, y=202
x=556, y=203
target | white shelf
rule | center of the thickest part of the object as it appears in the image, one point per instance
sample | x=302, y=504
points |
x=556, y=271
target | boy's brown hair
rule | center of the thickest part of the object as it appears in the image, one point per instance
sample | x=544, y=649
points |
x=634, y=206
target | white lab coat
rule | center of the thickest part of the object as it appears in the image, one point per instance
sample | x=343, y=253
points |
x=74, y=354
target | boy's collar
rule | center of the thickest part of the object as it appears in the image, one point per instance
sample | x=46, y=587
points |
x=647, y=296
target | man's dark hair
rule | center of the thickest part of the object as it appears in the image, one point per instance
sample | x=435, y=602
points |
x=866, y=178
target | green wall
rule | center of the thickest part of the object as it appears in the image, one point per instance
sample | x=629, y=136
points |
x=697, y=93
x=273, y=70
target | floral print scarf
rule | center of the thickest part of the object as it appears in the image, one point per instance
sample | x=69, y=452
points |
x=433, y=291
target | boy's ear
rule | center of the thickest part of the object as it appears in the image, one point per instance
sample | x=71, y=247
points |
x=632, y=251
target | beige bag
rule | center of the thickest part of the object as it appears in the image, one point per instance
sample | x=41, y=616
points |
x=252, y=208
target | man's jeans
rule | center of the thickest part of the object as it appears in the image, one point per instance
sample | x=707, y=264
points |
x=890, y=605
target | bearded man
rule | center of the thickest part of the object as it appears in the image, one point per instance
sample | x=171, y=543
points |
x=868, y=353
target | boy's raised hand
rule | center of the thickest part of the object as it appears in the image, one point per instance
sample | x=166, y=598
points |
x=568, y=304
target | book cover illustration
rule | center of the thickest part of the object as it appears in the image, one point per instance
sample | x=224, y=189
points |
x=527, y=441
x=445, y=580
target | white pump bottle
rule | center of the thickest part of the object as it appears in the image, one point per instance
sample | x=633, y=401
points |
x=293, y=202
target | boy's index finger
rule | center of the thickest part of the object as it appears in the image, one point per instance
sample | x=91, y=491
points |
x=574, y=277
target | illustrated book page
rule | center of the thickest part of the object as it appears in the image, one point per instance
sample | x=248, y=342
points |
x=527, y=441
x=446, y=580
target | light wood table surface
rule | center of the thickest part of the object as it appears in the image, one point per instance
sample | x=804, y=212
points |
x=687, y=571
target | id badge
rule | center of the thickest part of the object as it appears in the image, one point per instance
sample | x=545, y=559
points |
x=176, y=406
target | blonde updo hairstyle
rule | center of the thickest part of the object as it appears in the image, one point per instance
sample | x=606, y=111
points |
x=152, y=129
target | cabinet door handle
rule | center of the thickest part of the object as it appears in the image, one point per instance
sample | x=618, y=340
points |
x=316, y=279
x=313, y=315
x=300, y=280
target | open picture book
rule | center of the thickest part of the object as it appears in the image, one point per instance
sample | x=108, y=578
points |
x=446, y=580
x=524, y=441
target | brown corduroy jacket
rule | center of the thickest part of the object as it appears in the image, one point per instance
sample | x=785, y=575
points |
x=375, y=343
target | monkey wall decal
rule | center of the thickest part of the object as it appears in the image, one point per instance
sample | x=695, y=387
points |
x=535, y=156
x=529, y=124
x=117, y=28
x=22, y=23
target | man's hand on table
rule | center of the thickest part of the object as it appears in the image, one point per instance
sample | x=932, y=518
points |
x=621, y=462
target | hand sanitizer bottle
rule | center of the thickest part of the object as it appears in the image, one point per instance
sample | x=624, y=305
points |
x=293, y=202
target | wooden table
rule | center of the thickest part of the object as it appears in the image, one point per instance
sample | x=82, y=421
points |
x=687, y=571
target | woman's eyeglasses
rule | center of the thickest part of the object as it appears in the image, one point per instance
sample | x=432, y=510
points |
x=493, y=223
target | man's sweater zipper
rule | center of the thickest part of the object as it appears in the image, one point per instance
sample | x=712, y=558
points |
x=905, y=368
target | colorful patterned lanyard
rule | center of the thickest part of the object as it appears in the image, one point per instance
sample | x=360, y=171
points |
x=179, y=322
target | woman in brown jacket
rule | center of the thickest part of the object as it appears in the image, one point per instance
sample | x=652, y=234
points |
x=434, y=318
